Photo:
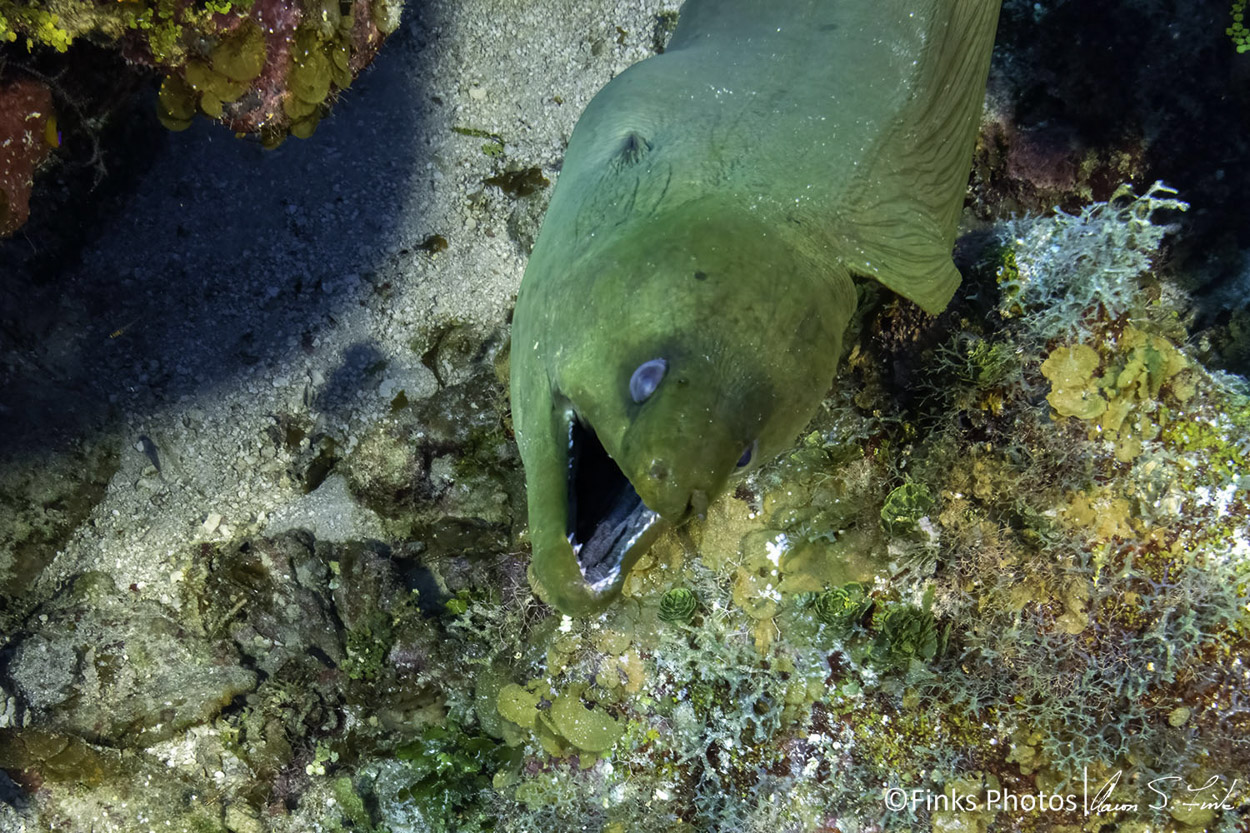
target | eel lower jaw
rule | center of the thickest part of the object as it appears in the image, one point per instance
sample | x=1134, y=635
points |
x=606, y=518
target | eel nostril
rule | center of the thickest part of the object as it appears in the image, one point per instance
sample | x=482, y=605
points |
x=659, y=470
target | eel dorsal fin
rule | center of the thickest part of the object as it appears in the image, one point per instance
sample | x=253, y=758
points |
x=903, y=216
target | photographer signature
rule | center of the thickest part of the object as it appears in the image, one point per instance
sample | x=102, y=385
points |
x=1216, y=793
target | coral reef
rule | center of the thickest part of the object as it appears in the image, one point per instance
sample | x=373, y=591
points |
x=123, y=674
x=258, y=66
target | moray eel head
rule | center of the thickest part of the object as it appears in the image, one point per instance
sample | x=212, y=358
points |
x=643, y=458
x=682, y=312
x=636, y=406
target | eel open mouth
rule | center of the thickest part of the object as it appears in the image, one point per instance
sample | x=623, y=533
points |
x=606, y=515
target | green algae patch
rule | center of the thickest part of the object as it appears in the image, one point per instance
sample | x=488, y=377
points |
x=175, y=103
x=520, y=184
x=569, y=723
x=906, y=634
x=587, y=727
x=447, y=771
x=811, y=566
x=678, y=606
x=904, y=507
x=367, y=645
x=310, y=70
x=240, y=56
x=518, y=704
x=214, y=88
x=1071, y=374
x=842, y=607
x=1215, y=446
x=1120, y=386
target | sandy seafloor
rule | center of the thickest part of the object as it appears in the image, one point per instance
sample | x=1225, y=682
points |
x=237, y=283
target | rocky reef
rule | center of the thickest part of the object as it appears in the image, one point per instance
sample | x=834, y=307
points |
x=1007, y=562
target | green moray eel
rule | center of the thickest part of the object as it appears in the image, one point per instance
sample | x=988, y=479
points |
x=681, y=315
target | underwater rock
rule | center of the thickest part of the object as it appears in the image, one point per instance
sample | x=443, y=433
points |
x=272, y=69
x=367, y=582
x=272, y=597
x=120, y=671
x=27, y=135
x=443, y=470
x=65, y=782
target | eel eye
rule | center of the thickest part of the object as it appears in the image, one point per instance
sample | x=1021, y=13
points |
x=748, y=454
x=646, y=379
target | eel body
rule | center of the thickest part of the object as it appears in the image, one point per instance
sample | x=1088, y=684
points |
x=682, y=312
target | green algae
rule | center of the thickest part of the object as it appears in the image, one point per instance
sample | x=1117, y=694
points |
x=678, y=606
x=309, y=80
x=906, y=634
x=214, y=87
x=240, y=56
x=904, y=507
x=1120, y=394
x=447, y=769
x=176, y=103
x=1071, y=373
x=207, y=85
x=584, y=725
x=842, y=607
x=519, y=705
x=367, y=645
x=494, y=148
x=352, y=805
x=519, y=184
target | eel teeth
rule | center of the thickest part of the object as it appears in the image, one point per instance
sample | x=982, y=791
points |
x=606, y=515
